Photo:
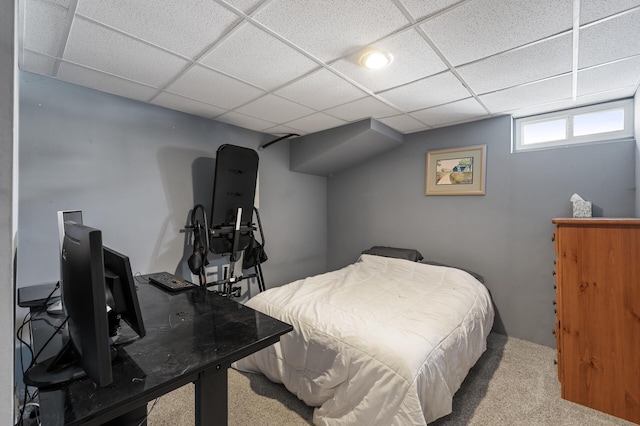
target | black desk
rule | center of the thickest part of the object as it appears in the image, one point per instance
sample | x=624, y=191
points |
x=192, y=336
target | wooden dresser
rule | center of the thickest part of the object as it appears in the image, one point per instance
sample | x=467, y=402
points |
x=598, y=313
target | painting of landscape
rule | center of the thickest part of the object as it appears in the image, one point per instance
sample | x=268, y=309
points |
x=454, y=171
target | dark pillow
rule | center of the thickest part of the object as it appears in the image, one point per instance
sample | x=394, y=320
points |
x=399, y=253
x=473, y=274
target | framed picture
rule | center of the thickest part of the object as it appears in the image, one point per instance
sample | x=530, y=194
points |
x=456, y=171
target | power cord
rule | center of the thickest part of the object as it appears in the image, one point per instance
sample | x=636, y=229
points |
x=26, y=321
x=149, y=412
x=29, y=398
x=140, y=279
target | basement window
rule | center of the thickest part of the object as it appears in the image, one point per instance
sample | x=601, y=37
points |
x=610, y=121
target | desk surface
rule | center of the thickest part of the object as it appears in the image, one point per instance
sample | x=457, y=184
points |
x=189, y=333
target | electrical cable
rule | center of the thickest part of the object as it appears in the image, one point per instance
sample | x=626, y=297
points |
x=287, y=136
x=27, y=397
x=140, y=279
x=33, y=361
x=149, y=412
x=19, y=337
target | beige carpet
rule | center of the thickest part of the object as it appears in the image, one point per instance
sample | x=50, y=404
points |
x=253, y=400
x=513, y=383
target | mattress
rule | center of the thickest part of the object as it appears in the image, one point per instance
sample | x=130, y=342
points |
x=382, y=341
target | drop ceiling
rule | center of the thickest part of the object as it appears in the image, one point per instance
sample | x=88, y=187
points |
x=291, y=66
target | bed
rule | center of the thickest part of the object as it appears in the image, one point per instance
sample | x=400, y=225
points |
x=383, y=341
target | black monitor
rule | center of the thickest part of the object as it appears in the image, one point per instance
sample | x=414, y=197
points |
x=234, y=187
x=87, y=349
x=122, y=299
x=63, y=216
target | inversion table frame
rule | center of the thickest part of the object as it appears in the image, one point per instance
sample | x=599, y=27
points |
x=231, y=225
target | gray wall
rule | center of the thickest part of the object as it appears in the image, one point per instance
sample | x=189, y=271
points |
x=8, y=207
x=636, y=123
x=136, y=170
x=504, y=235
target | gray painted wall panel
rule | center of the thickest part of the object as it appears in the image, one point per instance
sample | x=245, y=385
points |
x=136, y=170
x=333, y=150
x=504, y=235
x=8, y=203
x=636, y=123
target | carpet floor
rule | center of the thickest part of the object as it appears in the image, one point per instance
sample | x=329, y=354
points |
x=514, y=383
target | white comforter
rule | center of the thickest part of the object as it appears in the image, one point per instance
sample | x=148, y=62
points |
x=380, y=342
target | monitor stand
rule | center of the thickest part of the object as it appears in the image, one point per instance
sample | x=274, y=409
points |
x=59, y=369
x=55, y=308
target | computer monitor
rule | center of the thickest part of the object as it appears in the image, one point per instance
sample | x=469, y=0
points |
x=87, y=349
x=66, y=216
x=63, y=216
x=122, y=298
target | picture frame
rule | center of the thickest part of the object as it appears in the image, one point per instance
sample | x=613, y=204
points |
x=456, y=171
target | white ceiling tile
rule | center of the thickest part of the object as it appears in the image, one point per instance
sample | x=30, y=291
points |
x=535, y=62
x=245, y=121
x=61, y=3
x=186, y=27
x=437, y=90
x=451, y=113
x=315, y=122
x=592, y=10
x=609, y=40
x=569, y=103
x=213, y=88
x=104, y=82
x=265, y=61
x=403, y=123
x=413, y=59
x=330, y=29
x=37, y=63
x=97, y=47
x=420, y=9
x=275, y=109
x=485, y=27
x=362, y=108
x=541, y=108
x=190, y=106
x=312, y=90
x=551, y=90
x=246, y=6
x=47, y=21
x=611, y=95
x=597, y=79
x=515, y=54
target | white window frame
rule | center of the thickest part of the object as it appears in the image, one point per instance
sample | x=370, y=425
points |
x=625, y=134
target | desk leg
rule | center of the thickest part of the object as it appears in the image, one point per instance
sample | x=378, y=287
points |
x=212, y=399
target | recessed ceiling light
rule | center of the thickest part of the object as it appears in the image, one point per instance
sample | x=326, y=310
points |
x=375, y=59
